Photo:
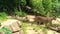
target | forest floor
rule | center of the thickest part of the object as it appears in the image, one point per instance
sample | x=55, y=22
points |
x=29, y=28
x=37, y=29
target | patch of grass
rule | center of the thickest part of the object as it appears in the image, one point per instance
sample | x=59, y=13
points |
x=3, y=16
x=44, y=30
x=24, y=26
x=37, y=27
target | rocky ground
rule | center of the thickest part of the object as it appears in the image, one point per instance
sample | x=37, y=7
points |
x=29, y=28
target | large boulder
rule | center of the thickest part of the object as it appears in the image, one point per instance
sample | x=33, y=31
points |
x=14, y=25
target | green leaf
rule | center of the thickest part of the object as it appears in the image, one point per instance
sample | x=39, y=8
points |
x=5, y=30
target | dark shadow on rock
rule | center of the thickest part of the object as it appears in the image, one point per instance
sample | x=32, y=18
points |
x=54, y=28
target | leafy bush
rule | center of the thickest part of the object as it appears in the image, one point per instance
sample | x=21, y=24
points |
x=37, y=6
x=55, y=6
x=20, y=13
x=47, y=4
x=3, y=16
x=43, y=7
x=23, y=3
x=5, y=30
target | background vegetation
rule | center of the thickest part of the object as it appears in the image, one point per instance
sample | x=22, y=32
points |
x=22, y=8
x=41, y=7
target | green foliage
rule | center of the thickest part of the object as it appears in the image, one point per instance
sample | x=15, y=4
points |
x=54, y=3
x=37, y=6
x=3, y=16
x=24, y=26
x=47, y=4
x=44, y=30
x=5, y=30
x=36, y=28
x=55, y=6
x=23, y=3
x=43, y=7
x=20, y=13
